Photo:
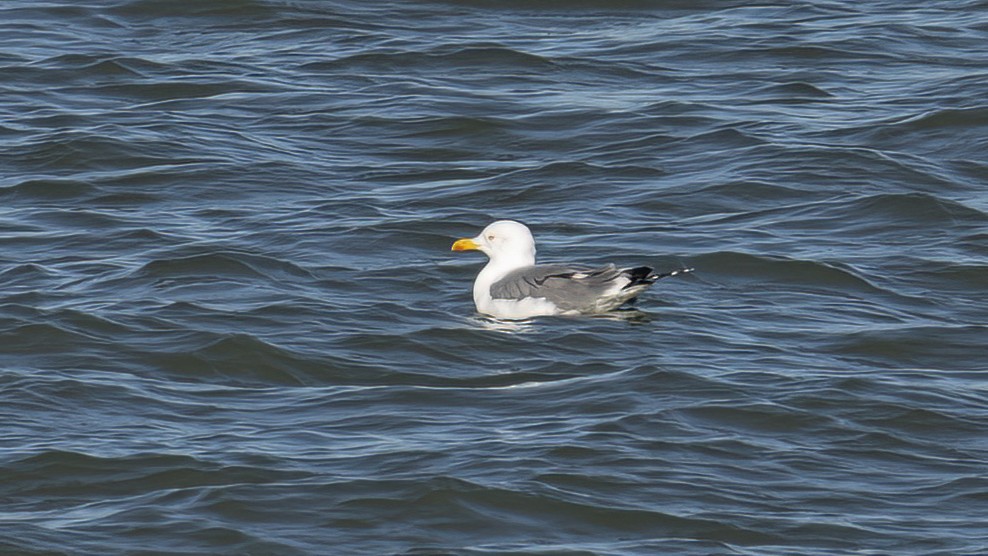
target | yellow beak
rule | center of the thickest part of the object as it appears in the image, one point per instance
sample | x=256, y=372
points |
x=465, y=244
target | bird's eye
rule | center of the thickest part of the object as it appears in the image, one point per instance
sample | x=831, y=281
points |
x=490, y=237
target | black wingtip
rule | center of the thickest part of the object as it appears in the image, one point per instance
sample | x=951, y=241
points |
x=640, y=275
x=644, y=275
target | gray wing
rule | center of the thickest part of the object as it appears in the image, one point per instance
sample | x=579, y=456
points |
x=568, y=287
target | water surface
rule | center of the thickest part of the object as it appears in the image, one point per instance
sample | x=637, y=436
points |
x=230, y=322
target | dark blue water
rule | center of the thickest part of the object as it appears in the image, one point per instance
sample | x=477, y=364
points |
x=230, y=322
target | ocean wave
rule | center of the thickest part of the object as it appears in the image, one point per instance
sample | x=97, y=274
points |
x=230, y=320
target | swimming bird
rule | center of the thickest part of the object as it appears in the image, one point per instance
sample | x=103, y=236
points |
x=512, y=286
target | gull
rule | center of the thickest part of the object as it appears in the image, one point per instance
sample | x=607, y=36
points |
x=512, y=286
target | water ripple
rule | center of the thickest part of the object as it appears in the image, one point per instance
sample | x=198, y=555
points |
x=230, y=321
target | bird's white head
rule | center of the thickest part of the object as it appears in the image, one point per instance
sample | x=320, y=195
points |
x=506, y=242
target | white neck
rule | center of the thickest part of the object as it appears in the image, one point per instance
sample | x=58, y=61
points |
x=498, y=267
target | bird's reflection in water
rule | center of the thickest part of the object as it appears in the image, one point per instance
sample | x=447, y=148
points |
x=500, y=325
x=627, y=314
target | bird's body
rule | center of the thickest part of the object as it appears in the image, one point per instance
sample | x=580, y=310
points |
x=512, y=286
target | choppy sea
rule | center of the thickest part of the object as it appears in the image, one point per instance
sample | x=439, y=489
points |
x=230, y=322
